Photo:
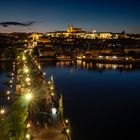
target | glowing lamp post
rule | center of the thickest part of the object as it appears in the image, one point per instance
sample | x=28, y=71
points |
x=28, y=97
x=2, y=111
x=8, y=92
x=66, y=121
x=28, y=125
x=26, y=70
x=51, y=88
x=67, y=131
x=27, y=79
x=27, y=136
x=54, y=111
x=23, y=58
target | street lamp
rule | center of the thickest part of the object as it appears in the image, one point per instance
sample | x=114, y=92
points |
x=2, y=111
x=68, y=131
x=27, y=136
x=28, y=79
x=54, y=111
x=12, y=74
x=66, y=121
x=23, y=58
x=26, y=70
x=28, y=125
x=51, y=87
x=28, y=97
x=8, y=92
x=10, y=81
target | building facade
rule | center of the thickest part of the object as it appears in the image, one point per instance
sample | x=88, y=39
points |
x=76, y=32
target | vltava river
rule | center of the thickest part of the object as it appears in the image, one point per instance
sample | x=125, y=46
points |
x=102, y=101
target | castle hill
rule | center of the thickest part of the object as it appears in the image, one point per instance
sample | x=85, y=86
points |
x=73, y=44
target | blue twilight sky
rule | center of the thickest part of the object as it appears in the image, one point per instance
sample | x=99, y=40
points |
x=51, y=15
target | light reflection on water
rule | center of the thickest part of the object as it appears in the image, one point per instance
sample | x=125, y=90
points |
x=92, y=66
x=5, y=69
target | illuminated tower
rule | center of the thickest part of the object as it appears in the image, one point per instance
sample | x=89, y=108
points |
x=70, y=28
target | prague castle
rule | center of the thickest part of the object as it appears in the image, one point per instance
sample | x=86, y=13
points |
x=76, y=32
x=72, y=29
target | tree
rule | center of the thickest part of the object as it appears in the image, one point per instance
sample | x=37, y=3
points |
x=4, y=129
x=14, y=125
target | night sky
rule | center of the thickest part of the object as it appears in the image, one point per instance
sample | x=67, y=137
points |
x=51, y=15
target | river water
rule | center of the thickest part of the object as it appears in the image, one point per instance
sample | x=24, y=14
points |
x=5, y=70
x=102, y=101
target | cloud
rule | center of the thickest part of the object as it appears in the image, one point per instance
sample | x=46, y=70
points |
x=6, y=24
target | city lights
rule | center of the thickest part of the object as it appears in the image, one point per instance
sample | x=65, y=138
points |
x=114, y=57
x=12, y=74
x=28, y=79
x=26, y=70
x=27, y=136
x=28, y=96
x=28, y=99
x=23, y=58
x=54, y=110
x=28, y=125
x=2, y=111
x=8, y=92
x=100, y=56
x=64, y=82
x=67, y=130
x=10, y=81
x=66, y=121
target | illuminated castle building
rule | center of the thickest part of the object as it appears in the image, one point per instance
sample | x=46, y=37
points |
x=72, y=29
x=74, y=32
